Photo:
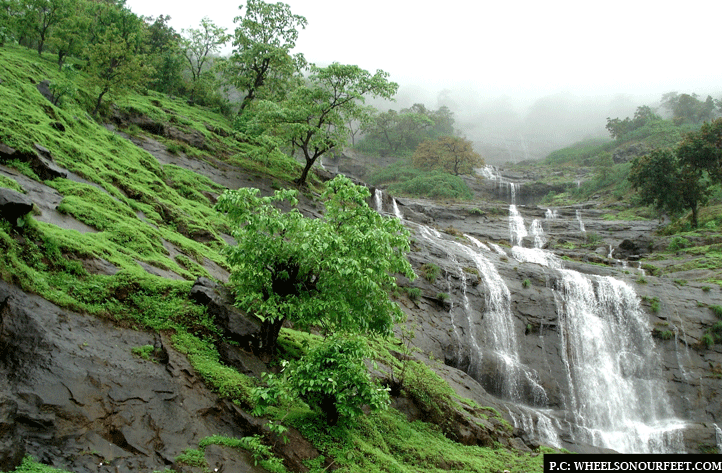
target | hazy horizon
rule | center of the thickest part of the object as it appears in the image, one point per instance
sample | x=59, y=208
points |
x=549, y=71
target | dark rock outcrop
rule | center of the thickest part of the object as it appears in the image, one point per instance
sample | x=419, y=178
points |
x=13, y=205
x=236, y=325
x=41, y=162
x=73, y=396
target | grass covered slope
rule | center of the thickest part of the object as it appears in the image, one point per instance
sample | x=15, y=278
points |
x=126, y=235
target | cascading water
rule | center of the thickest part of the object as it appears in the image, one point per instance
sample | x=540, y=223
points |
x=581, y=223
x=616, y=398
x=397, y=212
x=517, y=230
x=378, y=200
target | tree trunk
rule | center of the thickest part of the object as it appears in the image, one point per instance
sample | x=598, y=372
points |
x=268, y=338
x=97, y=104
x=694, y=217
x=301, y=181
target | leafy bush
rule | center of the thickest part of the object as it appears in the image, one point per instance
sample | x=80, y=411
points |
x=434, y=185
x=430, y=271
x=678, y=243
x=334, y=379
x=402, y=178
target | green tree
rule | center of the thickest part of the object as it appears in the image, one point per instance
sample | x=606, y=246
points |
x=703, y=149
x=619, y=129
x=333, y=272
x=115, y=60
x=70, y=35
x=43, y=15
x=262, y=64
x=163, y=46
x=669, y=183
x=313, y=117
x=452, y=154
x=687, y=108
x=333, y=378
x=198, y=45
x=399, y=130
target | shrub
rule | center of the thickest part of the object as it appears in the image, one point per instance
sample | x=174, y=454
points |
x=414, y=293
x=334, y=379
x=525, y=283
x=678, y=243
x=717, y=310
x=430, y=271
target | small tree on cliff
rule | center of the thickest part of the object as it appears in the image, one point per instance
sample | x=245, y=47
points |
x=333, y=272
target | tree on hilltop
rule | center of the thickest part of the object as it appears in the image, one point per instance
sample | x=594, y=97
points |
x=673, y=180
x=262, y=64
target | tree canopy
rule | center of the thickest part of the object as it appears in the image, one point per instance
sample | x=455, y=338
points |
x=393, y=132
x=313, y=117
x=452, y=154
x=333, y=272
x=673, y=180
x=262, y=64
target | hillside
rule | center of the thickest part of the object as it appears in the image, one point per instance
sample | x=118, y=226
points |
x=108, y=361
x=120, y=348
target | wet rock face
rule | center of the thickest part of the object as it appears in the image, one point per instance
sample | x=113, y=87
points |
x=73, y=395
x=13, y=205
x=677, y=315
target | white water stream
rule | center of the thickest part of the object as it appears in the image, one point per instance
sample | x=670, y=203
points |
x=615, y=397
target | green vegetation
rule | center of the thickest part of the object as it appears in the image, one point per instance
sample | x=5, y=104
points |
x=30, y=465
x=450, y=154
x=679, y=179
x=430, y=271
x=400, y=133
x=404, y=179
x=333, y=272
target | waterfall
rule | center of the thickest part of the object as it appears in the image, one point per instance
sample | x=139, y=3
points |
x=550, y=214
x=397, y=212
x=517, y=230
x=538, y=233
x=378, y=200
x=616, y=398
x=718, y=438
x=581, y=223
x=616, y=393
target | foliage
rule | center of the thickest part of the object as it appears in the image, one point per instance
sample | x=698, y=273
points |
x=687, y=108
x=430, y=271
x=678, y=243
x=334, y=272
x=679, y=179
x=434, y=185
x=333, y=378
x=452, y=154
x=580, y=151
x=313, y=117
x=668, y=183
x=30, y=465
x=261, y=65
x=116, y=62
x=198, y=44
x=393, y=132
x=261, y=453
x=620, y=129
x=702, y=149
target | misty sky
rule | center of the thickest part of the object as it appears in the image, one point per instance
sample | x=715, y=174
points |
x=505, y=53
